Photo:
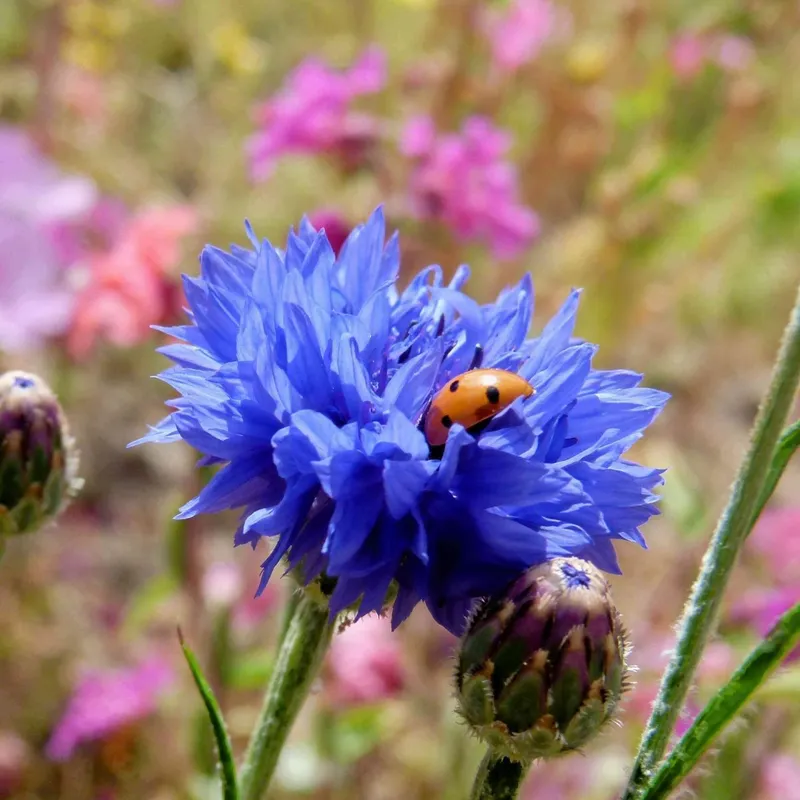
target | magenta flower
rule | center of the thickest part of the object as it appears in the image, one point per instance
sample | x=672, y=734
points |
x=35, y=197
x=517, y=35
x=105, y=701
x=313, y=113
x=364, y=664
x=465, y=181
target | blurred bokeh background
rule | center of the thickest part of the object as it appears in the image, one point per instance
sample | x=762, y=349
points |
x=646, y=151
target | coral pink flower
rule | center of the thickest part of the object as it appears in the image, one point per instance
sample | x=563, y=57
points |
x=132, y=286
x=105, y=701
x=364, y=664
x=465, y=181
x=312, y=113
x=517, y=35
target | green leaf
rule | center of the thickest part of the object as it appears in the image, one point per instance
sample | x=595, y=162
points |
x=229, y=784
x=725, y=705
x=784, y=450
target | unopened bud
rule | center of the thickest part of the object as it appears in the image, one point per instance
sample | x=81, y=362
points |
x=542, y=667
x=38, y=462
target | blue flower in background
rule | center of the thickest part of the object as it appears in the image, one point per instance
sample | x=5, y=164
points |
x=308, y=376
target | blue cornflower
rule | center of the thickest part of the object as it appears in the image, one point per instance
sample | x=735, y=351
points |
x=308, y=376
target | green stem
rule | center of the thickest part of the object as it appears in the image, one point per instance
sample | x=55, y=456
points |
x=726, y=704
x=300, y=655
x=288, y=613
x=498, y=778
x=701, y=609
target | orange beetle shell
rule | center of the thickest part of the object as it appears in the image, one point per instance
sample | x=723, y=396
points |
x=470, y=398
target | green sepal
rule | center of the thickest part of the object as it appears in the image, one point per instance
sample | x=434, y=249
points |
x=568, y=694
x=477, y=704
x=27, y=515
x=585, y=724
x=523, y=702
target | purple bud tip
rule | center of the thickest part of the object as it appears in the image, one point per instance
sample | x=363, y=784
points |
x=575, y=577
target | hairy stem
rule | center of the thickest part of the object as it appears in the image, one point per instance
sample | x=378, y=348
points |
x=497, y=778
x=700, y=613
x=304, y=644
x=726, y=704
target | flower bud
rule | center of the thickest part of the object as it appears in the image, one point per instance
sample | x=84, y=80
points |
x=542, y=667
x=38, y=462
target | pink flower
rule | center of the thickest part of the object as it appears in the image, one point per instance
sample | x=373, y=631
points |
x=132, y=286
x=364, y=664
x=688, y=55
x=223, y=587
x=690, y=52
x=761, y=609
x=15, y=758
x=105, y=701
x=780, y=778
x=776, y=538
x=76, y=240
x=465, y=181
x=652, y=657
x=336, y=227
x=517, y=35
x=559, y=779
x=312, y=113
x=733, y=53
x=36, y=301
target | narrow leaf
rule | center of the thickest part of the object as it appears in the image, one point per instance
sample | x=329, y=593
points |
x=229, y=784
x=725, y=705
x=784, y=450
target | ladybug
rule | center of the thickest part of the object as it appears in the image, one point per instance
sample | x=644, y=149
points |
x=471, y=398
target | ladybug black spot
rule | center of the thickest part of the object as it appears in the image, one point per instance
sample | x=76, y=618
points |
x=454, y=386
x=446, y=421
x=493, y=395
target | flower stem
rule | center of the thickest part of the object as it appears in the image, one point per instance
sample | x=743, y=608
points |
x=726, y=704
x=302, y=648
x=735, y=523
x=498, y=778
